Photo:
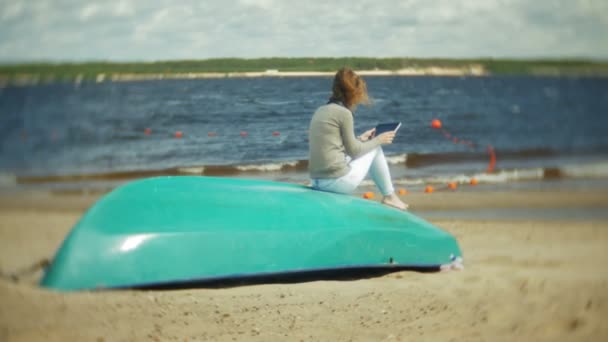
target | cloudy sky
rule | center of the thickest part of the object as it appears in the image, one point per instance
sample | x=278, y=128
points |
x=135, y=30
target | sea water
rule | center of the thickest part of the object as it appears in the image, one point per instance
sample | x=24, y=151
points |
x=86, y=134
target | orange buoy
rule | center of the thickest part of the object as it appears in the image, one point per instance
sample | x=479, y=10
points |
x=179, y=134
x=473, y=181
x=276, y=134
x=147, y=131
x=211, y=134
x=244, y=134
x=452, y=185
x=429, y=189
x=402, y=192
x=368, y=195
x=436, y=124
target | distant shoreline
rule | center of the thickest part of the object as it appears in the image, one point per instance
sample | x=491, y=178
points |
x=32, y=79
x=104, y=71
x=476, y=70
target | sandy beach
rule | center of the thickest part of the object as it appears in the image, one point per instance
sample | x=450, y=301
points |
x=539, y=279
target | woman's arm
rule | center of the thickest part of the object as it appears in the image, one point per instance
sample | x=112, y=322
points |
x=367, y=135
x=354, y=147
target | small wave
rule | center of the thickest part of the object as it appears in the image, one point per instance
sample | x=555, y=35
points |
x=203, y=170
x=231, y=170
x=174, y=102
x=503, y=176
x=274, y=103
x=207, y=96
x=443, y=91
x=268, y=167
x=108, y=176
x=192, y=170
x=397, y=159
x=296, y=169
x=591, y=170
x=416, y=160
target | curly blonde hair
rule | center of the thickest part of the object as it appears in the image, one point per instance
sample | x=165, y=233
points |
x=349, y=88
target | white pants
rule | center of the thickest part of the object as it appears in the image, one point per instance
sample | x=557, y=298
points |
x=373, y=162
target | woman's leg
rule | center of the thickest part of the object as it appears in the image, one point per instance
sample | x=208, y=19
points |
x=372, y=162
x=375, y=163
x=381, y=174
x=350, y=181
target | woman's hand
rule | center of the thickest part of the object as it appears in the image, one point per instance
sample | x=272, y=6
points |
x=367, y=135
x=387, y=137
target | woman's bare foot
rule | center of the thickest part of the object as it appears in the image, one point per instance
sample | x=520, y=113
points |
x=393, y=200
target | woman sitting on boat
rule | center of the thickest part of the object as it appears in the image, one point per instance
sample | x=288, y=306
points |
x=339, y=161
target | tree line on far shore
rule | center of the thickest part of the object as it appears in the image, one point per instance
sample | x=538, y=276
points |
x=90, y=70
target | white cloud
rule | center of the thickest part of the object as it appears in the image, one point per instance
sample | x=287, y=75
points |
x=164, y=29
x=12, y=10
x=123, y=8
x=89, y=11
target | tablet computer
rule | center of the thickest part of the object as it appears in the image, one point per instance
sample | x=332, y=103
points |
x=387, y=127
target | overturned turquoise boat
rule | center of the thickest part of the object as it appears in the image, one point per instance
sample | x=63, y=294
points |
x=190, y=229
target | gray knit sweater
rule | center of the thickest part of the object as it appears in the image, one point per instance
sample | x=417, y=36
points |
x=331, y=139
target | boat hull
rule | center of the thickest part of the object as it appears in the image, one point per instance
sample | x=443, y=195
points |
x=168, y=230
